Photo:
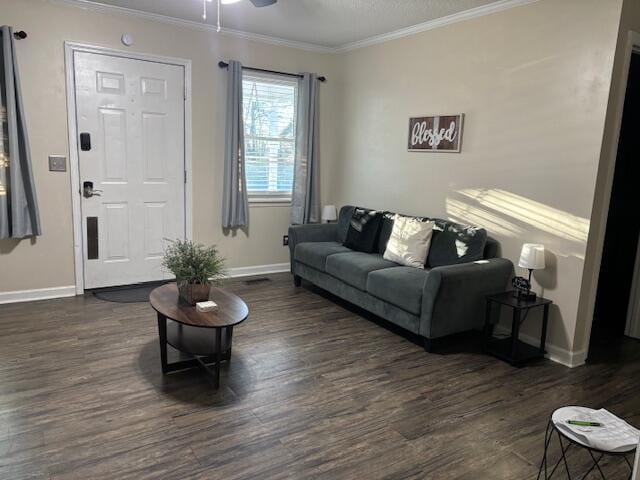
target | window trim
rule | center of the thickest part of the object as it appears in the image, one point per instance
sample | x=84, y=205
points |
x=266, y=198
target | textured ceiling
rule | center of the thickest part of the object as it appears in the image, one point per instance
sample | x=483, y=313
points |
x=328, y=23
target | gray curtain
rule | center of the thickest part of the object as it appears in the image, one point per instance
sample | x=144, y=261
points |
x=305, y=200
x=18, y=204
x=235, y=204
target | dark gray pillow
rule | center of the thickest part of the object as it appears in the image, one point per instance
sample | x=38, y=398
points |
x=364, y=227
x=344, y=218
x=453, y=243
x=386, y=225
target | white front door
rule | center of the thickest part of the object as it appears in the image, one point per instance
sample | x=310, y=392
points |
x=130, y=124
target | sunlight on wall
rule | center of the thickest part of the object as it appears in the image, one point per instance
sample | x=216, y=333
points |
x=464, y=213
x=548, y=219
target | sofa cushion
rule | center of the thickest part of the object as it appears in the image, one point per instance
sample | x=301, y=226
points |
x=400, y=286
x=315, y=254
x=352, y=268
x=362, y=234
x=453, y=243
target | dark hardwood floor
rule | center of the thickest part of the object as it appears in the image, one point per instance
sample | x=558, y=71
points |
x=315, y=389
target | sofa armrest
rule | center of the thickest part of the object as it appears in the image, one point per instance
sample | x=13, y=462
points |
x=453, y=298
x=314, y=232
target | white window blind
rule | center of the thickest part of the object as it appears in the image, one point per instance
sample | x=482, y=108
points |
x=269, y=110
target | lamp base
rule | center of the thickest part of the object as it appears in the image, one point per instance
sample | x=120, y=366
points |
x=528, y=296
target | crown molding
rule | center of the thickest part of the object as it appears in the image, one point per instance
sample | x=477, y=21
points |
x=436, y=23
x=256, y=37
x=377, y=39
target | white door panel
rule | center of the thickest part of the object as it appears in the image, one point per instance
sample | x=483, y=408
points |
x=134, y=113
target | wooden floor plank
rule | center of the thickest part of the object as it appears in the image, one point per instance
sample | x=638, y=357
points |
x=316, y=389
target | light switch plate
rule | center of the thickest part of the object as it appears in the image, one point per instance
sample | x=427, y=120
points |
x=57, y=163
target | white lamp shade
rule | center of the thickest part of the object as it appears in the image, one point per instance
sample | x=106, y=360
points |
x=532, y=256
x=329, y=213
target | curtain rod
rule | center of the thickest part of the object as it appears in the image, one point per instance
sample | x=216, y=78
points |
x=222, y=64
x=20, y=35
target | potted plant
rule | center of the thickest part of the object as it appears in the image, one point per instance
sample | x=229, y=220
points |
x=196, y=268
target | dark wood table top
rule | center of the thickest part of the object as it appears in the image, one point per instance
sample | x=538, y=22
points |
x=509, y=299
x=231, y=309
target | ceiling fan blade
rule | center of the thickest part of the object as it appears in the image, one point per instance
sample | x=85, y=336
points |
x=263, y=3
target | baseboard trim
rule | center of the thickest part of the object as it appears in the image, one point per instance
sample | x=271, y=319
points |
x=554, y=353
x=37, y=294
x=259, y=270
x=70, y=290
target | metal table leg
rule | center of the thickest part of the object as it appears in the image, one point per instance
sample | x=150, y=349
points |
x=596, y=456
x=543, y=336
x=515, y=333
x=547, y=441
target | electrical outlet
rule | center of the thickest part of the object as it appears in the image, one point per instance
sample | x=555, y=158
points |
x=285, y=240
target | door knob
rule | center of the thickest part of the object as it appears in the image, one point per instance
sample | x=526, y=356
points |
x=88, y=190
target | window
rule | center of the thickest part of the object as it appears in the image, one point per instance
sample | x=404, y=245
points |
x=269, y=109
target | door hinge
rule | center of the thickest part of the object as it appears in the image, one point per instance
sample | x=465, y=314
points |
x=185, y=176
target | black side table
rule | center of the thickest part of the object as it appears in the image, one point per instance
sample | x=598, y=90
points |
x=511, y=349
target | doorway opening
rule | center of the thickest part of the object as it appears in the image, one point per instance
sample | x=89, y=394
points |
x=615, y=296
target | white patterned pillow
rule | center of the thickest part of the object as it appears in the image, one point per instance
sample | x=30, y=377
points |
x=409, y=241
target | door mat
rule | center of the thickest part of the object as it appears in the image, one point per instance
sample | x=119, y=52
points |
x=127, y=294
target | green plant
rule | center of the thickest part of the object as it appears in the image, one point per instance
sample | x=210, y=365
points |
x=194, y=263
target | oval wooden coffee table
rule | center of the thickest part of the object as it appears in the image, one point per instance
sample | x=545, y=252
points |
x=205, y=336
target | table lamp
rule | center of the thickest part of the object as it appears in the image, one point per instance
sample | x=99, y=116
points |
x=531, y=258
x=329, y=213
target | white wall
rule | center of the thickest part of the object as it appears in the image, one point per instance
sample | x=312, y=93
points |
x=533, y=82
x=48, y=260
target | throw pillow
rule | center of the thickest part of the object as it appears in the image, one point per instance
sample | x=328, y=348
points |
x=386, y=225
x=454, y=243
x=363, y=230
x=409, y=241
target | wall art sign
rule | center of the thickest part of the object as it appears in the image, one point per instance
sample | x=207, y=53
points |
x=435, y=133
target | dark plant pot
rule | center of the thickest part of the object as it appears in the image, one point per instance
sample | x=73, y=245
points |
x=192, y=293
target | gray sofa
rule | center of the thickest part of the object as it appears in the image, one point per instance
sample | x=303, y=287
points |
x=446, y=297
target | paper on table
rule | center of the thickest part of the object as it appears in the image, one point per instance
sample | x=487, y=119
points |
x=615, y=436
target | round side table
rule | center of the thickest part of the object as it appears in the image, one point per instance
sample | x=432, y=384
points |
x=566, y=440
x=206, y=336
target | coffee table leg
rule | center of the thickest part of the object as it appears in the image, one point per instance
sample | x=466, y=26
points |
x=218, y=355
x=229, y=339
x=162, y=336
